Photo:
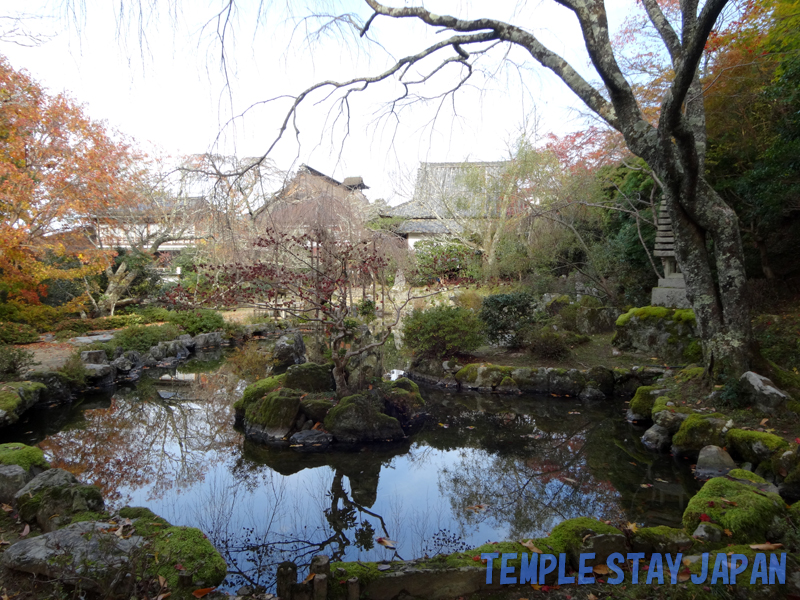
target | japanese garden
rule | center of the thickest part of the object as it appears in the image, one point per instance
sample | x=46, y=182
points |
x=286, y=374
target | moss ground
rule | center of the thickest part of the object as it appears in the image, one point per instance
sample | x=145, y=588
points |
x=22, y=455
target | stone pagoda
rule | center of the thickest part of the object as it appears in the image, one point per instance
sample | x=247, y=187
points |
x=671, y=290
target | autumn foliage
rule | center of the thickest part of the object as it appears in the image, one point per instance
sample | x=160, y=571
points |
x=58, y=168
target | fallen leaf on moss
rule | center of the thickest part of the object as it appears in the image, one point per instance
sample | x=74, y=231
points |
x=766, y=546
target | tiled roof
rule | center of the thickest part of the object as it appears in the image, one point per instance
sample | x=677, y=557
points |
x=429, y=226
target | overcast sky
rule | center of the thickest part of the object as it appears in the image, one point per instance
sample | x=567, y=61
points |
x=168, y=90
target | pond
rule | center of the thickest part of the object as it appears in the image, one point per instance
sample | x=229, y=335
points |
x=483, y=468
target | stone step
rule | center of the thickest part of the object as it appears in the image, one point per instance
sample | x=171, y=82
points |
x=664, y=253
x=672, y=282
x=670, y=247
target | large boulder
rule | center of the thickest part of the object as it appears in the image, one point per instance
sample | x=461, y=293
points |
x=403, y=401
x=532, y=379
x=57, y=387
x=760, y=392
x=271, y=417
x=658, y=331
x=29, y=458
x=661, y=540
x=360, y=418
x=586, y=535
x=87, y=553
x=713, y=461
x=94, y=357
x=697, y=432
x=288, y=351
x=657, y=439
x=12, y=479
x=755, y=446
x=16, y=397
x=566, y=382
x=53, y=497
x=310, y=377
x=208, y=340
x=738, y=506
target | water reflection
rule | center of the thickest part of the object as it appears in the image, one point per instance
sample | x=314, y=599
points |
x=532, y=461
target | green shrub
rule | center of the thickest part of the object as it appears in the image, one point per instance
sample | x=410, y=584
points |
x=506, y=316
x=142, y=337
x=17, y=333
x=14, y=362
x=569, y=317
x=436, y=260
x=74, y=370
x=197, y=321
x=546, y=343
x=39, y=316
x=442, y=331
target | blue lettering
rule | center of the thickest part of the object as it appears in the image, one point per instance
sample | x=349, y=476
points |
x=759, y=568
x=505, y=570
x=674, y=568
x=611, y=563
x=527, y=571
x=720, y=569
x=736, y=569
x=635, y=557
x=703, y=575
x=488, y=556
x=584, y=570
x=656, y=569
x=547, y=565
x=777, y=569
x=562, y=568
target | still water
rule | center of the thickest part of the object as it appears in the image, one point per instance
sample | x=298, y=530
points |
x=483, y=468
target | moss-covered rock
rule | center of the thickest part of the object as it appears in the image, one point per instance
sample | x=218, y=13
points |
x=556, y=305
x=316, y=406
x=402, y=400
x=665, y=332
x=189, y=548
x=699, y=431
x=662, y=539
x=747, y=512
x=583, y=535
x=26, y=457
x=16, y=397
x=272, y=416
x=467, y=376
x=258, y=390
x=754, y=446
x=643, y=401
x=566, y=382
x=748, y=475
x=491, y=376
x=532, y=380
x=310, y=377
x=54, y=506
x=360, y=418
x=601, y=379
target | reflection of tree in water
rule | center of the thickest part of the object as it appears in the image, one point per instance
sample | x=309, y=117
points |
x=532, y=489
x=275, y=524
x=142, y=439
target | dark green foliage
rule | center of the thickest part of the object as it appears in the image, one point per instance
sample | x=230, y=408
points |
x=14, y=362
x=197, y=321
x=451, y=260
x=442, y=331
x=546, y=343
x=142, y=337
x=366, y=309
x=17, y=333
x=505, y=316
x=778, y=339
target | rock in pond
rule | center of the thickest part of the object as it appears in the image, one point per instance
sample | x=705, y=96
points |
x=360, y=418
x=713, y=461
x=310, y=377
x=53, y=497
x=16, y=397
x=270, y=418
x=288, y=351
x=657, y=439
x=311, y=440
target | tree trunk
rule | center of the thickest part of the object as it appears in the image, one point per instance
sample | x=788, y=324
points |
x=118, y=283
x=340, y=376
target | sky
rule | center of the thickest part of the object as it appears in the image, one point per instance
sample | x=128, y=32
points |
x=169, y=89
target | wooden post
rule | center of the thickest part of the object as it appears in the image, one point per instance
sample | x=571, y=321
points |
x=286, y=579
x=321, y=565
x=320, y=587
x=353, y=589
